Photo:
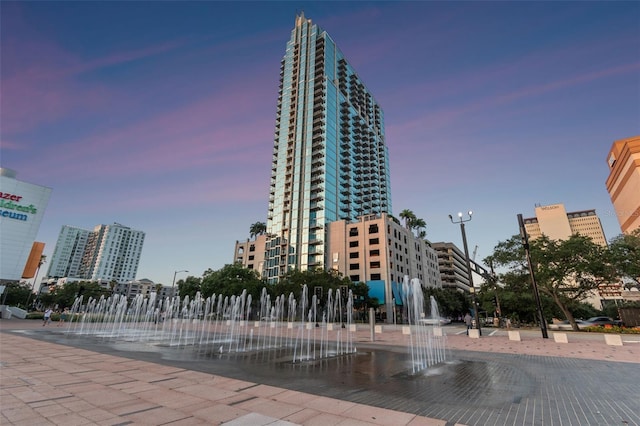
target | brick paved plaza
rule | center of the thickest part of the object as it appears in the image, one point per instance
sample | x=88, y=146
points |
x=50, y=378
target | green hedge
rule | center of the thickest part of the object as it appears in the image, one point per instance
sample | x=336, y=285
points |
x=612, y=329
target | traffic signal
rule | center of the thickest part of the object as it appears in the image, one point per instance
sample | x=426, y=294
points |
x=495, y=301
x=344, y=292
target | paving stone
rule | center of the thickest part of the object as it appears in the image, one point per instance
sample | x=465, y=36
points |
x=45, y=379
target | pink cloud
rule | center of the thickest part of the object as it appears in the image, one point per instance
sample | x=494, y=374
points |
x=219, y=130
x=39, y=81
x=446, y=116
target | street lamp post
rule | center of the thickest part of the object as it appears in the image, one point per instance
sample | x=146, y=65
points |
x=525, y=245
x=174, y=281
x=461, y=221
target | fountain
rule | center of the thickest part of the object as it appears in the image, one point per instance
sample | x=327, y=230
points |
x=285, y=328
x=221, y=324
x=426, y=339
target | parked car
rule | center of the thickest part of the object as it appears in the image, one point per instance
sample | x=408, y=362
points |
x=599, y=321
x=565, y=325
x=435, y=321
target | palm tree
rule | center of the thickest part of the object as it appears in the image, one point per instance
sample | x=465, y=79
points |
x=409, y=217
x=257, y=228
x=420, y=225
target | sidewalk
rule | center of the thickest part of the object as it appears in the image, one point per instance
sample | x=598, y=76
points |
x=43, y=383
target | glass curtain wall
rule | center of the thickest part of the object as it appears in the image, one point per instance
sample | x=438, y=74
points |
x=330, y=161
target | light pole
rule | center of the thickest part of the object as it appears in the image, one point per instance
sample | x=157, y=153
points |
x=525, y=245
x=472, y=289
x=174, y=281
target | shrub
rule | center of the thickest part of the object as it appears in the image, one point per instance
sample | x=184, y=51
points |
x=612, y=329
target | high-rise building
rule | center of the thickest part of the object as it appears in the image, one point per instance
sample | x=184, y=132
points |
x=330, y=161
x=67, y=254
x=109, y=252
x=623, y=183
x=22, y=207
x=554, y=222
x=112, y=253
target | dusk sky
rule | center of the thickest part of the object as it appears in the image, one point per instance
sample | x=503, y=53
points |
x=160, y=115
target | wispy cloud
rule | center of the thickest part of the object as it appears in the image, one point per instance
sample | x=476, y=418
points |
x=41, y=81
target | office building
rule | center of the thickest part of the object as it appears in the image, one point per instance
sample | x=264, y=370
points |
x=378, y=251
x=623, y=183
x=554, y=222
x=250, y=253
x=330, y=160
x=108, y=253
x=22, y=207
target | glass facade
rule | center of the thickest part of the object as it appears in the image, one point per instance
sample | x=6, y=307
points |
x=330, y=161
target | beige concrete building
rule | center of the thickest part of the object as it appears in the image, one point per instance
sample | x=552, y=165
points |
x=453, y=266
x=379, y=251
x=554, y=222
x=623, y=183
x=251, y=253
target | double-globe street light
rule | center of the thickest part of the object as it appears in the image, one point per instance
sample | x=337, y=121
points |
x=472, y=289
x=174, y=281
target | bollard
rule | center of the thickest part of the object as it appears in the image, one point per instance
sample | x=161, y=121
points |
x=560, y=338
x=514, y=335
x=613, y=339
x=372, y=324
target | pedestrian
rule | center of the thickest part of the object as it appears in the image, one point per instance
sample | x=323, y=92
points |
x=468, y=322
x=47, y=316
x=64, y=316
x=508, y=323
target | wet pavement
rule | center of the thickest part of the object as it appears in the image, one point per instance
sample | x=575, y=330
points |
x=491, y=380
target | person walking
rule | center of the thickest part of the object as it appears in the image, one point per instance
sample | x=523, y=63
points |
x=468, y=321
x=64, y=316
x=47, y=316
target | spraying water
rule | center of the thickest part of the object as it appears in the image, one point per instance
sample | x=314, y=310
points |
x=426, y=340
x=310, y=329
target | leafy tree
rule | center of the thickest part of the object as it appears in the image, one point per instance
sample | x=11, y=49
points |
x=451, y=302
x=65, y=295
x=257, y=228
x=566, y=271
x=624, y=255
x=231, y=280
x=189, y=286
x=293, y=281
x=517, y=300
x=15, y=294
x=361, y=298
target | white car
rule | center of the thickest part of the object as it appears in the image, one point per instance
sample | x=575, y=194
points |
x=434, y=321
x=564, y=325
